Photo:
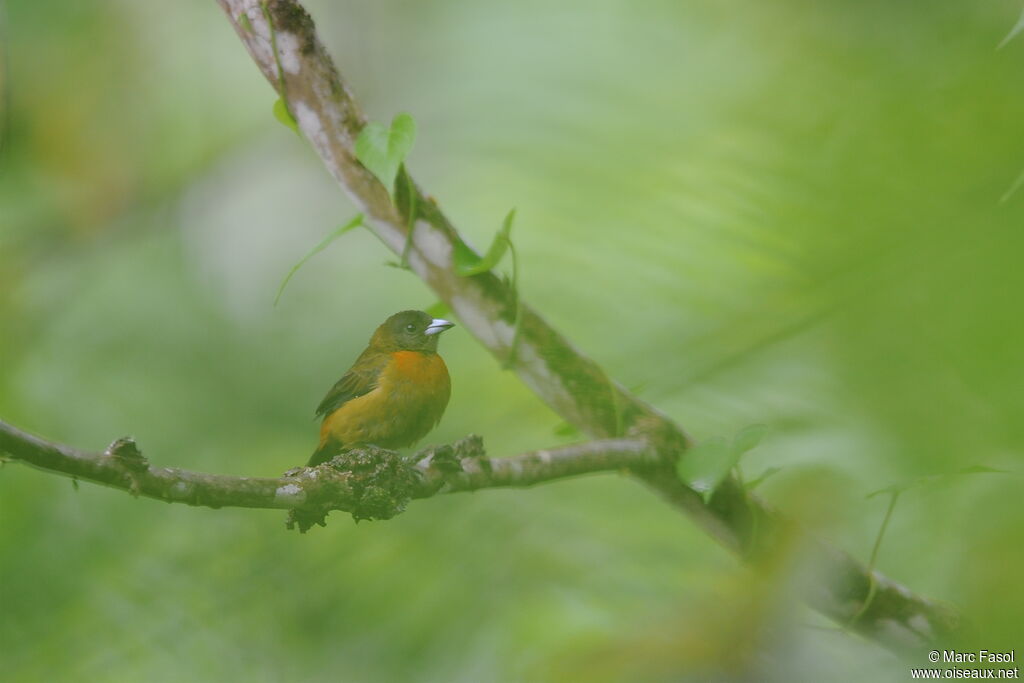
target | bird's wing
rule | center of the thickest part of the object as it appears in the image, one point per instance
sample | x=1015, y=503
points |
x=359, y=380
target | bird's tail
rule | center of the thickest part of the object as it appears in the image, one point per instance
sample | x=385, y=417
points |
x=327, y=449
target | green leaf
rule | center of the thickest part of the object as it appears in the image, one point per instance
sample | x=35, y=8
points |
x=382, y=150
x=981, y=469
x=282, y=114
x=243, y=21
x=352, y=224
x=705, y=466
x=1017, y=28
x=898, y=487
x=565, y=429
x=438, y=310
x=405, y=198
x=467, y=263
x=748, y=438
x=1013, y=188
x=901, y=486
x=757, y=481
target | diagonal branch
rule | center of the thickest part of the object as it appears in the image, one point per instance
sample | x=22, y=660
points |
x=331, y=119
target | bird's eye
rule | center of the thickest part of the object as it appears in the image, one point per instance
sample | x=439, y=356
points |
x=410, y=327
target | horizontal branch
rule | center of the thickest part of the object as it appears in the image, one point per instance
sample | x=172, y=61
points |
x=476, y=472
x=338, y=485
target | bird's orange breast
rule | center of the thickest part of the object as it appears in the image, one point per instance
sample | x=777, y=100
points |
x=411, y=395
x=414, y=366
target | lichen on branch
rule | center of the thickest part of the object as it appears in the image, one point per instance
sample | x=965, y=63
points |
x=367, y=481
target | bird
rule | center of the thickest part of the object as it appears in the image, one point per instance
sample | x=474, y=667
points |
x=395, y=392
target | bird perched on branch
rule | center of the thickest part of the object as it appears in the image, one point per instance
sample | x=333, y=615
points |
x=395, y=392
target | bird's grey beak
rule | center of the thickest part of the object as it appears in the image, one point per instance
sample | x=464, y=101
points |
x=437, y=326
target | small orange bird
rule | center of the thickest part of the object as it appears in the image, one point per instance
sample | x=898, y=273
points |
x=393, y=394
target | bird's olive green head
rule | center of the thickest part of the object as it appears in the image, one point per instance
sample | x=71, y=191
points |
x=409, y=331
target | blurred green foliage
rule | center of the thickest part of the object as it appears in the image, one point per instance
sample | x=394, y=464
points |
x=783, y=213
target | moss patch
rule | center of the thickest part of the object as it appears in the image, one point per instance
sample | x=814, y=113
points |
x=382, y=482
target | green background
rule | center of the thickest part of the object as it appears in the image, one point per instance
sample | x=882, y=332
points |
x=795, y=213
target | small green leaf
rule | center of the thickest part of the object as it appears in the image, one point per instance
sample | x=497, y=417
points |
x=748, y=438
x=467, y=263
x=282, y=114
x=705, y=466
x=981, y=469
x=1017, y=28
x=243, y=21
x=565, y=429
x=901, y=486
x=1013, y=188
x=405, y=194
x=352, y=224
x=405, y=198
x=382, y=150
x=438, y=310
x=898, y=487
x=757, y=481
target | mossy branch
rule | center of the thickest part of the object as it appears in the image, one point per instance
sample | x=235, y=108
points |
x=369, y=482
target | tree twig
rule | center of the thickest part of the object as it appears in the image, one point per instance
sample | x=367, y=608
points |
x=462, y=466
